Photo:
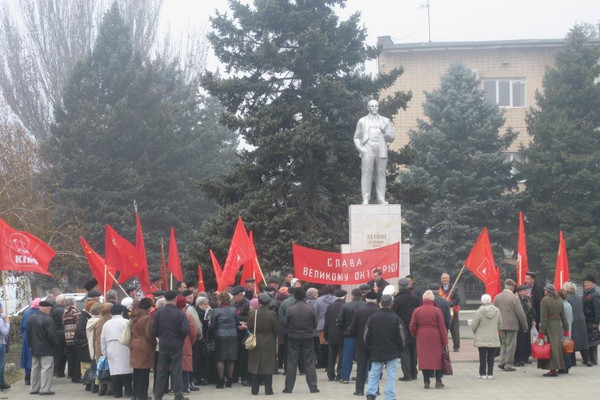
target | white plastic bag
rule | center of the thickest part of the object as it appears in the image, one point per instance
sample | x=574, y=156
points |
x=534, y=334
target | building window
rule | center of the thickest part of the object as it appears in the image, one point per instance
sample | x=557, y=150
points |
x=505, y=92
x=513, y=159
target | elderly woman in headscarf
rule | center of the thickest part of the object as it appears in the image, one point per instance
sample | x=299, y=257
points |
x=80, y=340
x=262, y=360
x=578, y=329
x=485, y=325
x=428, y=327
x=118, y=355
x=553, y=325
x=69, y=322
x=26, y=355
x=141, y=348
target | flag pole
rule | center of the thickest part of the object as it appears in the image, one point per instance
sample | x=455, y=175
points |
x=117, y=282
x=171, y=282
x=4, y=293
x=105, y=270
x=456, y=281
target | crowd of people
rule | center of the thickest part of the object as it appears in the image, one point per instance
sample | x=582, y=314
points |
x=190, y=339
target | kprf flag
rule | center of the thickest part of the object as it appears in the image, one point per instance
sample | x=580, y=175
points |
x=174, y=261
x=97, y=266
x=522, y=263
x=239, y=253
x=216, y=266
x=561, y=275
x=21, y=251
x=201, y=287
x=140, y=249
x=481, y=263
x=121, y=255
x=252, y=268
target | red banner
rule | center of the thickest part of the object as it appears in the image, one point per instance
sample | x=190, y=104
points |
x=325, y=267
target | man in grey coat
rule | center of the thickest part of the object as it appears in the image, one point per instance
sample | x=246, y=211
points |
x=513, y=320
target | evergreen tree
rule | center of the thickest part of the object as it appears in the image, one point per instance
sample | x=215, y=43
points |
x=458, y=154
x=562, y=168
x=130, y=129
x=295, y=92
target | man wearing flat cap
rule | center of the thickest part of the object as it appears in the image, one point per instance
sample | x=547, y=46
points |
x=242, y=309
x=513, y=321
x=41, y=335
x=591, y=310
x=250, y=288
x=536, y=292
x=405, y=304
x=333, y=336
x=524, y=338
x=357, y=330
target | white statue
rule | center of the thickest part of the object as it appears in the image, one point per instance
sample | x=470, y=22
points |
x=373, y=133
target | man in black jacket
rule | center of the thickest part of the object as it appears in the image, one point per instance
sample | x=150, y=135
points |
x=333, y=336
x=405, y=304
x=60, y=358
x=357, y=330
x=377, y=284
x=343, y=321
x=41, y=335
x=591, y=310
x=301, y=321
x=385, y=337
x=170, y=325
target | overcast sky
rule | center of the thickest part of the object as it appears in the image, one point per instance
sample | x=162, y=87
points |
x=451, y=20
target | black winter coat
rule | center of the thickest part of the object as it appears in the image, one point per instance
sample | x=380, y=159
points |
x=359, y=323
x=385, y=335
x=405, y=304
x=332, y=333
x=41, y=335
x=80, y=340
x=346, y=314
x=591, y=308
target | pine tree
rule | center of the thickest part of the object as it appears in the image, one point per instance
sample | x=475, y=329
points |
x=295, y=92
x=131, y=129
x=459, y=157
x=562, y=168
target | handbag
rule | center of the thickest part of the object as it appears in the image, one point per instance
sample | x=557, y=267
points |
x=540, y=349
x=102, y=370
x=91, y=374
x=446, y=364
x=125, y=337
x=208, y=344
x=250, y=342
x=568, y=346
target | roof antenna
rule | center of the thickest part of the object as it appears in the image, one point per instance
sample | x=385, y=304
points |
x=428, y=21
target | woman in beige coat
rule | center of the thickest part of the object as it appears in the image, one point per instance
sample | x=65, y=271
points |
x=486, y=325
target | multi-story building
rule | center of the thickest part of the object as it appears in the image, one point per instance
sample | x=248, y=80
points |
x=510, y=72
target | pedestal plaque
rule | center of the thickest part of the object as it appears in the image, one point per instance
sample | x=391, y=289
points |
x=373, y=226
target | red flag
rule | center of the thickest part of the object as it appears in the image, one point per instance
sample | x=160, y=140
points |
x=239, y=253
x=561, y=275
x=481, y=262
x=97, y=265
x=120, y=254
x=216, y=267
x=201, y=287
x=522, y=263
x=174, y=261
x=252, y=268
x=140, y=248
x=21, y=251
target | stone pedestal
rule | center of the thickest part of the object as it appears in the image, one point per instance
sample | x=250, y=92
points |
x=373, y=226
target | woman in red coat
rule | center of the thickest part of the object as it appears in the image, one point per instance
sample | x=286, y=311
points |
x=187, y=363
x=141, y=348
x=427, y=326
